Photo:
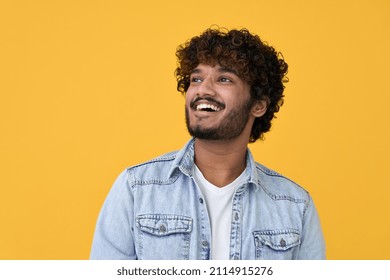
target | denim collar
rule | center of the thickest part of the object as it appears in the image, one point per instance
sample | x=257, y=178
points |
x=184, y=162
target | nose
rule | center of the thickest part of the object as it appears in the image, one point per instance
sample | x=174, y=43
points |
x=206, y=87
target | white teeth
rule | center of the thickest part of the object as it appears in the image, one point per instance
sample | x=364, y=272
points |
x=207, y=106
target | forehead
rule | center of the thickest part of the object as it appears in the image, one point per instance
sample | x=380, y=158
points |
x=216, y=68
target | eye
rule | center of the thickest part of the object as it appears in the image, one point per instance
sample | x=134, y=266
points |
x=196, y=80
x=225, y=80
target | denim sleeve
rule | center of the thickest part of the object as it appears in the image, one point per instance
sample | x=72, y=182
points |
x=312, y=242
x=113, y=238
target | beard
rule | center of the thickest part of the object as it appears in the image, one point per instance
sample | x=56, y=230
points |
x=230, y=128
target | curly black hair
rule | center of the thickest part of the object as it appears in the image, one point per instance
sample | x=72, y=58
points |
x=256, y=62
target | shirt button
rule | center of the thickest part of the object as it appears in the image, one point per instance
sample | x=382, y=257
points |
x=282, y=242
x=163, y=228
x=201, y=200
x=257, y=241
x=205, y=243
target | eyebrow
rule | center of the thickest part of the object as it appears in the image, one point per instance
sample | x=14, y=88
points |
x=227, y=70
x=220, y=70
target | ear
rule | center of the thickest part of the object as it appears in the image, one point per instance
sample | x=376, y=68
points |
x=259, y=108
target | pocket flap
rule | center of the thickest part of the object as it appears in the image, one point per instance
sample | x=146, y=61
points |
x=282, y=239
x=164, y=224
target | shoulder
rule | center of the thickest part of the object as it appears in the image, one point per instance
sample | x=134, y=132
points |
x=164, y=169
x=279, y=187
x=156, y=170
x=163, y=159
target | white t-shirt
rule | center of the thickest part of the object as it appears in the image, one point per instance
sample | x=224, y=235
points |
x=219, y=205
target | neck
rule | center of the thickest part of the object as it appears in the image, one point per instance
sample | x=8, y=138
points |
x=221, y=161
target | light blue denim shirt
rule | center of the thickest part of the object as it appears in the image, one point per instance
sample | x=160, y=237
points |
x=156, y=211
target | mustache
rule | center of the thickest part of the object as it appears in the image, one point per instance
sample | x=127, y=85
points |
x=209, y=99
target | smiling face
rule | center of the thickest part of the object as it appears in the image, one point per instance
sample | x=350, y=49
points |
x=218, y=103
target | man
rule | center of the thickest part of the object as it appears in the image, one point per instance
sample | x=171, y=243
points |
x=210, y=200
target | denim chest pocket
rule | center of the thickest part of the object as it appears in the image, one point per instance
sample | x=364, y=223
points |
x=281, y=244
x=163, y=236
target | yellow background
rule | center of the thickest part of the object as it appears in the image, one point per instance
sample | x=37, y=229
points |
x=87, y=89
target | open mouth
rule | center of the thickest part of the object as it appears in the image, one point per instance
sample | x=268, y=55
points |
x=206, y=105
x=207, y=108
